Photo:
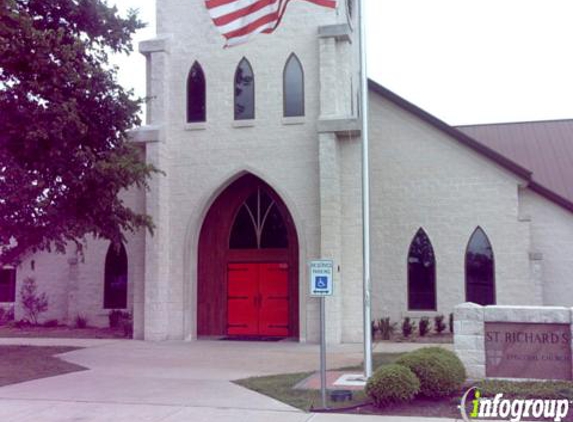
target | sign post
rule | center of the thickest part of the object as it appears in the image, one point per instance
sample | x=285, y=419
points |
x=321, y=275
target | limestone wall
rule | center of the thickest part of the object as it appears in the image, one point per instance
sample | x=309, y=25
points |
x=469, y=328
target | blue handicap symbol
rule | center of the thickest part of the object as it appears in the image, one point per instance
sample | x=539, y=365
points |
x=321, y=282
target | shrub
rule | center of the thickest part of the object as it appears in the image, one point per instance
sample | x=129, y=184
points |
x=51, y=323
x=392, y=384
x=439, y=324
x=452, y=323
x=440, y=371
x=386, y=328
x=408, y=327
x=115, y=317
x=424, y=326
x=81, y=321
x=373, y=329
x=6, y=315
x=126, y=323
x=32, y=303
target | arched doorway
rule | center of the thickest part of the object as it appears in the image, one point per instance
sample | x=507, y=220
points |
x=248, y=264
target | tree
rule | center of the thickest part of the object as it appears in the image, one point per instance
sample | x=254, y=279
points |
x=64, y=157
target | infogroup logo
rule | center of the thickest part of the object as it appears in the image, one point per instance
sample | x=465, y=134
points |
x=512, y=410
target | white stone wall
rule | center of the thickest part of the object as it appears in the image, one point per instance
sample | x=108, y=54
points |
x=202, y=159
x=423, y=178
x=552, y=246
x=75, y=284
x=469, y=328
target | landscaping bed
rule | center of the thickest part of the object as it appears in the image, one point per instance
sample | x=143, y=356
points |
x=26, y=363
x=59, y=331
x=282, y=388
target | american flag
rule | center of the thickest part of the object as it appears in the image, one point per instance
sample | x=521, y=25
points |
x=239, y=20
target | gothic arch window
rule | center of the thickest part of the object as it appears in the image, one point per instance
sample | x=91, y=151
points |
x=196, y=94
x=421, y=273
x=293, y=87
x=244, y=91
x=115, y=287
x=480, y=269
x=259, y=224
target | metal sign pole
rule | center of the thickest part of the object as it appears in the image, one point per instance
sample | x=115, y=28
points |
x=323, y=351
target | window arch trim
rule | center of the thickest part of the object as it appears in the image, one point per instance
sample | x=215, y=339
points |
x=252, y=106
x=294, y=57
x=200, y=114
x=116, y=265
x=493, y=278
x=434, y=296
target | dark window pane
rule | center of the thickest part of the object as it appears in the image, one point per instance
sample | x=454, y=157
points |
x=421, y=273
x=293, y=88
x=196, y=94
x=115, y=288
x=244, y=91
x=243, y=235
x=274, y=231
x=258, y=224
x=7, y=285
x=480, y=272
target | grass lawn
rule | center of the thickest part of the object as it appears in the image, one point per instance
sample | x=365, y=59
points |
x=25, y=363
x=280, y=387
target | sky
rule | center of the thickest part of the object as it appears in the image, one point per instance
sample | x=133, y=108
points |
x=464, y=61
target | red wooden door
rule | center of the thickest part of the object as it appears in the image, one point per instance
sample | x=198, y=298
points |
x=258, y=299
x=242, y=297
x=274, y=302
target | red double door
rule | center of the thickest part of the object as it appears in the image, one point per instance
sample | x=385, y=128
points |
x=258, y=299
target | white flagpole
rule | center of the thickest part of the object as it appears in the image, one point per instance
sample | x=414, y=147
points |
x=365, y=191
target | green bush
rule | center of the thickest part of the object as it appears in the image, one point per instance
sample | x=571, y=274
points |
x=439, y=324
x=392, y=384
x=451, y=323
x=424, y=326
x=440, y=371
x=386, y=328
x=408, y=327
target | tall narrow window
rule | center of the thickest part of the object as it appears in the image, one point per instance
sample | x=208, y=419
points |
x=480, y=270
x=259, y=224
x=421, y=273
x=7, y=284
x=293, y=87
x=196, y=94
x=115, y=288
x=244, y=91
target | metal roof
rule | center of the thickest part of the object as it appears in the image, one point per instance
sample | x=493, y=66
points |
x=539, y=152
x=544, y=147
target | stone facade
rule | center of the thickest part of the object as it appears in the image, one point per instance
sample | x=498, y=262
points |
x=469, y=328
x=421, y=177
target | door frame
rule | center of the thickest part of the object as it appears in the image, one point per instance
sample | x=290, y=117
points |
x=214, y=255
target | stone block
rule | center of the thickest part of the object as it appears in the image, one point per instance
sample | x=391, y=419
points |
x=470, y=328
x=472, y=342
x=531, y=314
x=469, y=312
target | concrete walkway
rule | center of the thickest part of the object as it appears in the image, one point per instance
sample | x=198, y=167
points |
x=136, y=381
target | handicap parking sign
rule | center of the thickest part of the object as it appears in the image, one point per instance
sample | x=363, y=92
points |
x=321, y=272
x=321, y=282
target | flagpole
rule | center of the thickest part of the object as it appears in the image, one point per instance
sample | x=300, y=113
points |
x=365, y=192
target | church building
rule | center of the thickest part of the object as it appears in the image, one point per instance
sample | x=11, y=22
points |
x=261, y=148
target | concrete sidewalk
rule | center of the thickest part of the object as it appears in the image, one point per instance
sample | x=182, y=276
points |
x=136, y=381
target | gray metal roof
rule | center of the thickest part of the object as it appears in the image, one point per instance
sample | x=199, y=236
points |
x=544, y=147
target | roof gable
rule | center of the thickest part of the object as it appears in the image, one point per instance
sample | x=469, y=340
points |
x=476, y=137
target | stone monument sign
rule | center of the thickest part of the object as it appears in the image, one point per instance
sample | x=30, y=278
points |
x=522, y=350
x=514, y=342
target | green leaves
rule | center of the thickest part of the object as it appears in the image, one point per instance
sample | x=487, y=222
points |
x=64, y=119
